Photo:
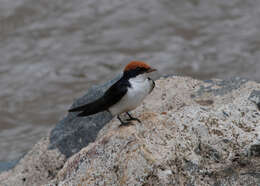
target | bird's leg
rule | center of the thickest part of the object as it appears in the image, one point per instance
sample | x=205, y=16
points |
x=131, y=118
x=123, y=123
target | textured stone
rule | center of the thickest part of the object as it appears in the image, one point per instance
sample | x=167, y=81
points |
x=189, y=135
x=192, y=133
x=73, y=133
x=37, y=167
x=48, y=156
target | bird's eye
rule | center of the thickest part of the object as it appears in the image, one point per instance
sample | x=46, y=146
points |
x=142, y=70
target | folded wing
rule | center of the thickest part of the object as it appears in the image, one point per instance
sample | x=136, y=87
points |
x=111, y=97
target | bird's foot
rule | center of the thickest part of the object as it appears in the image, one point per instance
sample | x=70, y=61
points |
x=134, y=119
x=131, y=118
x=123, y=123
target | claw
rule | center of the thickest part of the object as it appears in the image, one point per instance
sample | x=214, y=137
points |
x=131, y=118
x=123, y=123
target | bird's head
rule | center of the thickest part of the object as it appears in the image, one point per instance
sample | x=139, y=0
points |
x=136, y=68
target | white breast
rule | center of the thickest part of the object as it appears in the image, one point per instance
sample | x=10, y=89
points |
x=141, y=86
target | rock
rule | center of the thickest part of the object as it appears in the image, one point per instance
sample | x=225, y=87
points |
x=47, y=157
x=73, y=133
x=192, y=133
x=37, y=167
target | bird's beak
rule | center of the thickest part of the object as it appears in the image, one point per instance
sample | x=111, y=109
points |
x=151, y=70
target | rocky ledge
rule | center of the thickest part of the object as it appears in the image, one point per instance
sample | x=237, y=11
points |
x=192, y=133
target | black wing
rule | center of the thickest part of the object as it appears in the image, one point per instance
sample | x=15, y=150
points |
x=110, y=97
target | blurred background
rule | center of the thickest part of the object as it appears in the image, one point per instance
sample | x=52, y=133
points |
x=51, y=52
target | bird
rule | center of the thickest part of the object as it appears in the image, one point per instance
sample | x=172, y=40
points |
x=124, y=95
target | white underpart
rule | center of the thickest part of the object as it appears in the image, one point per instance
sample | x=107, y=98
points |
x=141, y=86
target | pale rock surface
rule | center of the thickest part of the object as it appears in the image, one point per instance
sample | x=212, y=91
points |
x=37, y=167
x=192, y=133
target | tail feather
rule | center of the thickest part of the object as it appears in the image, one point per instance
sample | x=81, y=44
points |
x=80, y=108
x=90, y=108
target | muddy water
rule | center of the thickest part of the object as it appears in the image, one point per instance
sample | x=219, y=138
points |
x=52, y=51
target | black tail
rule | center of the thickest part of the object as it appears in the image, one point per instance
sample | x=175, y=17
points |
x=90, y=108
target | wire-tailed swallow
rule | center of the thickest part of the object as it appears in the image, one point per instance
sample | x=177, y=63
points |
x=124, y=95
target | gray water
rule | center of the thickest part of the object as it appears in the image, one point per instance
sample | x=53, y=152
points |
x=51, y=52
